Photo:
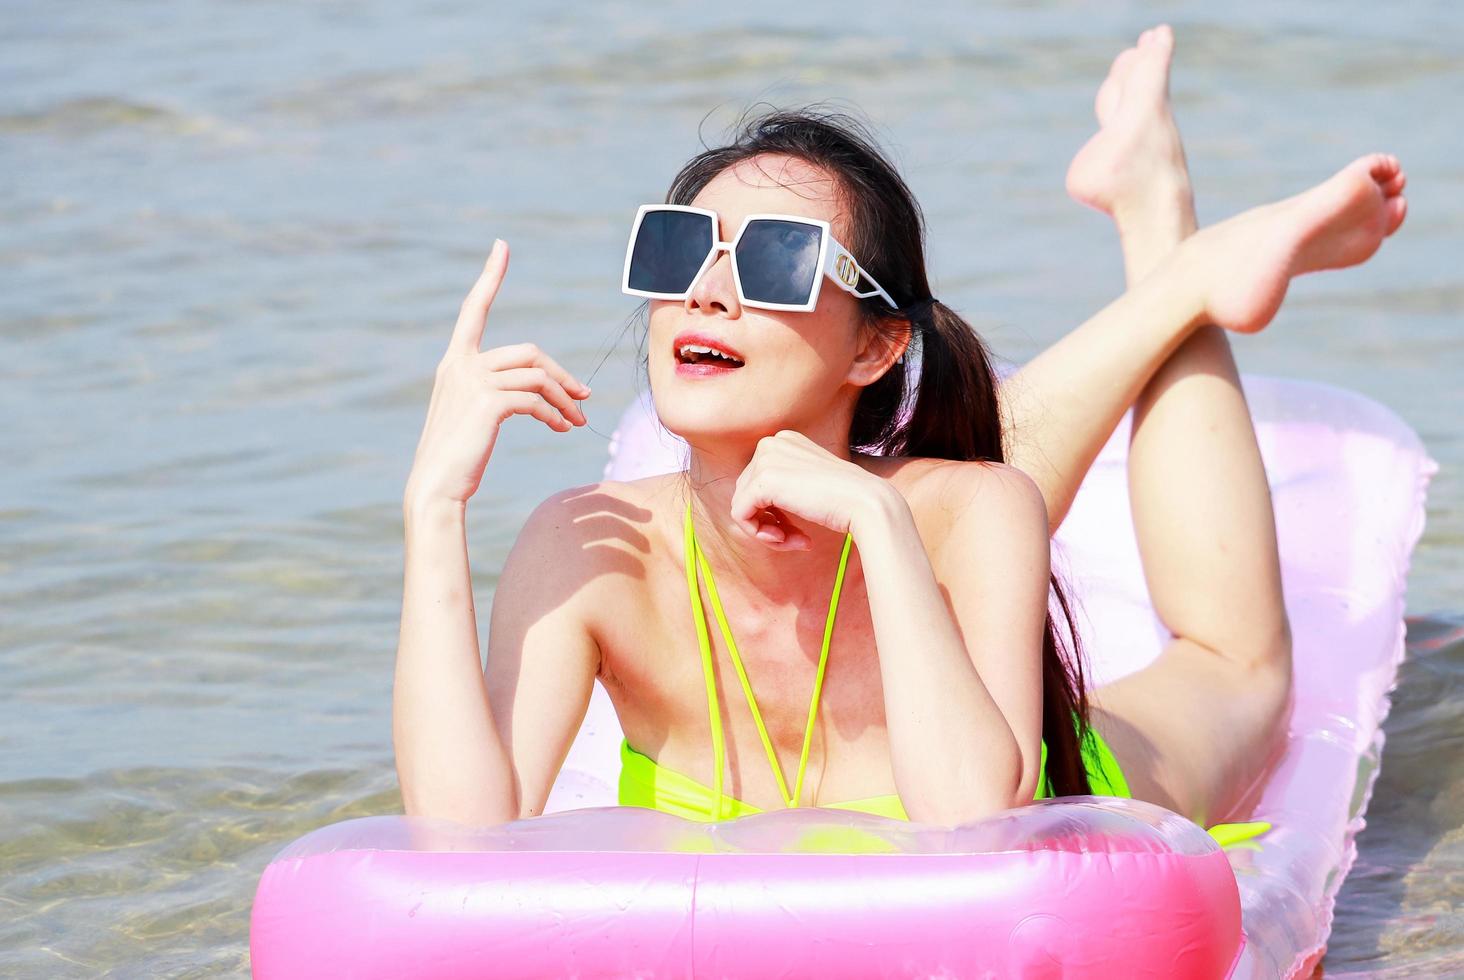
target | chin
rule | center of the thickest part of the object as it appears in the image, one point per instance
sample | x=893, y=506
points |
x=701, y=415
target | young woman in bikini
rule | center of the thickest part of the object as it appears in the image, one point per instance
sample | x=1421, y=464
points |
x=929, y=682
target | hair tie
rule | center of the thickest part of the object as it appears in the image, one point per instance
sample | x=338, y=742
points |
x=920, y=311
x=920, y=314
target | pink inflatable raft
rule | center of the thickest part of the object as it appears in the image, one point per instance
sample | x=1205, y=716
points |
x=1082, y=887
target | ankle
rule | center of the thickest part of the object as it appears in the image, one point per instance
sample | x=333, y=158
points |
x=1185, y=274
x=1164, y=213
x=1148, y=242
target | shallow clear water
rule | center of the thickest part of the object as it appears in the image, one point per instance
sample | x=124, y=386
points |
x=233, y=238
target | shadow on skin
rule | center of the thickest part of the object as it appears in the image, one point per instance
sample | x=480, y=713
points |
x=611, y=540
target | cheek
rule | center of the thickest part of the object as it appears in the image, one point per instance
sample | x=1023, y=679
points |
x=660, y=331
x=832, y=337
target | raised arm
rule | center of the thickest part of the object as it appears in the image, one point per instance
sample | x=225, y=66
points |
x=483, y=745
x=453, y=758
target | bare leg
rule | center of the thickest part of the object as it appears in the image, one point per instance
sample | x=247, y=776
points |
x=1198, y=728
x=1062, y=406
x=1202, y=508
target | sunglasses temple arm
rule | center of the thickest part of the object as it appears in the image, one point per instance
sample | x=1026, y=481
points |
x=877, y=291
x=831, y=269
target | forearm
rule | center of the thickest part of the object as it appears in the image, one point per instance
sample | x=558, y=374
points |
x=1062, y=406
x=954, y=755
x=451, y=764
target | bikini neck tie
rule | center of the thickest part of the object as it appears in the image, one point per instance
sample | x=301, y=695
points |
x=695, y=557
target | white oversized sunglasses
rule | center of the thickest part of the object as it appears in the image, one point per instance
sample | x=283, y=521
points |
x=776, y=258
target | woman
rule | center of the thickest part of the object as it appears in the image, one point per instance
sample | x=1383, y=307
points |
x=883, y=575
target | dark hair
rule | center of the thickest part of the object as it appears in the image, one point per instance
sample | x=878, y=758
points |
x=955, y=413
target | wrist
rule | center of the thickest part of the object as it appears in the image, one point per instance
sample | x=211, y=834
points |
x=881, y=512
x=426, y=509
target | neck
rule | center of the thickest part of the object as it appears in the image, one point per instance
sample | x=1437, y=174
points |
x=779, y=576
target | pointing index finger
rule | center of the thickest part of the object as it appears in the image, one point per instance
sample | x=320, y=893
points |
x=467, y=335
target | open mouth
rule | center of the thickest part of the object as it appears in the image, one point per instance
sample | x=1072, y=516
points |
x=703, y=354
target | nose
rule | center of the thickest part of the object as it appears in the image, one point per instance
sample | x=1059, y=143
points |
x=716, y=290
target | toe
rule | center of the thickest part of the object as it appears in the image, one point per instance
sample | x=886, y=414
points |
x=1397, y=211
x=1151, y=67
x=1108, y=92
x=1120, y=66
x=1382, y=167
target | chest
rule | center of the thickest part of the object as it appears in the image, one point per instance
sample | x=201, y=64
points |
x=654, y=668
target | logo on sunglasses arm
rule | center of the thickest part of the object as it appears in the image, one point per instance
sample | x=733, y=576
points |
x=847, y=271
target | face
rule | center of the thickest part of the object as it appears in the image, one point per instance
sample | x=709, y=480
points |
x=798, y=370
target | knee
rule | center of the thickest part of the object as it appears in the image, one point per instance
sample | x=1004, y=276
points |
x=1262, y=661
x=1267, y=652
x=1271, y=678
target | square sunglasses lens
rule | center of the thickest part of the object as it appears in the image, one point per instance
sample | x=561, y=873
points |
x=669, y=249
x=778, y=261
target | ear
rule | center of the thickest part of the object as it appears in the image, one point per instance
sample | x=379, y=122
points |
x=882, y=347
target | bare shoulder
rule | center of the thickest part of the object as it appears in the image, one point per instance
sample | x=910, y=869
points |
x=957, y=501
x=587, y=546
x=984, y=526
x=594, y=523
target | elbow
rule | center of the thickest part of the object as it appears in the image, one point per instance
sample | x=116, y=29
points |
x=466, y=817
x=966, y=801
x=960, y=812
x=466, y=811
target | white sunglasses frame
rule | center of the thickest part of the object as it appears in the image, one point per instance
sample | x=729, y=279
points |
x=834, y=261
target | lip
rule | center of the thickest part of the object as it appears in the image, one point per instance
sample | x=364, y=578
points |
x=702, y=370
x=703, y=340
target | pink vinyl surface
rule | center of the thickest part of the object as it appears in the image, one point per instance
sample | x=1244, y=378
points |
x=1070, y=888
x=1096, y=886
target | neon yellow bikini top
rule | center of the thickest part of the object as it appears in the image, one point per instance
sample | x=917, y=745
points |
x=644, y=782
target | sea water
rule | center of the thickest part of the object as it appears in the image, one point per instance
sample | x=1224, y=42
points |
x=233, y=240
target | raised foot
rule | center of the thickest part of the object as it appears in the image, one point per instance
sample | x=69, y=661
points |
x=1135, y=162
x=1341, y=222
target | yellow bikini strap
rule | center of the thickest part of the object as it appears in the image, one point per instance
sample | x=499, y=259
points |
x=704, y=641
x=702, y=636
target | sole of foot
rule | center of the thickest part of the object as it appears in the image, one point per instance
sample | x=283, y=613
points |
x=1338, y=223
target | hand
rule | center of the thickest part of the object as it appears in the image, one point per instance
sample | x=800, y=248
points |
x=790, y=475
x=475, y=391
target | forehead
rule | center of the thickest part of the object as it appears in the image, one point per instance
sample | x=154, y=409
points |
x=776, y=184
